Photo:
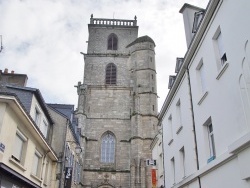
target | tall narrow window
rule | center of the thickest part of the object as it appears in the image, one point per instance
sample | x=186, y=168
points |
x=44, y=129
x=108, y=148
x=173, y=170
x=112, y=42
x=37, y=159
x=182, y=161
x=222, y=51
x=178, y=117
x=37, y=116
x=170, y=130
x=210, y=141
x=219, y=48
x=110, y=74
x=201, y=77
x=19, y=147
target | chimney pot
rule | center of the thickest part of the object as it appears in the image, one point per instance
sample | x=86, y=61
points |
x=5, y=70
x=12, y=72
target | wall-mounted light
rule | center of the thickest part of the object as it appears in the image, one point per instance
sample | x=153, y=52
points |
x=78, y=148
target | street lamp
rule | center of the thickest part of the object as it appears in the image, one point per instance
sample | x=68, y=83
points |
x=78, y=148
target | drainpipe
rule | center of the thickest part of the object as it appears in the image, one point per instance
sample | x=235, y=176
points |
x=63, y=156
x=195, y=138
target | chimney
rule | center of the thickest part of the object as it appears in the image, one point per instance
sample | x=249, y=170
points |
x=188, y=11
x=12, y=72
x=5, y=71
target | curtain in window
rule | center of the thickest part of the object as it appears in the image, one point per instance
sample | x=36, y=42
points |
x=108, y=149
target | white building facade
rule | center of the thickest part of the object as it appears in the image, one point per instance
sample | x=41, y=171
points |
x=206, y=115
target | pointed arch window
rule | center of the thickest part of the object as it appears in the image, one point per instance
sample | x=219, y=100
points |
x=112, y=42
x=108, y=148
x=110, y=74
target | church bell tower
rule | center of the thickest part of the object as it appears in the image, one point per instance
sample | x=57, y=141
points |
x=117, y=105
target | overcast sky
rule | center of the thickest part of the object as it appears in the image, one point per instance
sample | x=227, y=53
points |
x=44, y=38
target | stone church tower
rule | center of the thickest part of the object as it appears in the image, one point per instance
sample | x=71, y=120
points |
x=117, y=106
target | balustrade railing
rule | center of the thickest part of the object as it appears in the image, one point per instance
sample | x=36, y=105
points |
x=116, y=22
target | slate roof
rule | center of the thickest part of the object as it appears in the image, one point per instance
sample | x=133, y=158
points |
x=67, y=111
x=141, y=39
x=25, y=96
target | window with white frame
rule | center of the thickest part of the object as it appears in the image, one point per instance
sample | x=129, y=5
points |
x=108, y=148
x=178, y=116
x=19, y=148
x=47, y=172
x=173, y=170
x=44, y=128
x=37, y=116
x=182, y=161
x=211, y=140
x=37, y=160
x=220, y=49
x=170, y=130
x=201, y=77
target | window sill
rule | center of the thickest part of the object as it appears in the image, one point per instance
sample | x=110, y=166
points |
x=170, y=142
x=223, y=69
x=35, y=177
x=20, y=166
x=202, y=98
x=179, y=129
x=211, y=159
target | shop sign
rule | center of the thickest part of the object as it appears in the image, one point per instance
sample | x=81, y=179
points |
x=153, y=174
x=2, y=147
x=68, y=177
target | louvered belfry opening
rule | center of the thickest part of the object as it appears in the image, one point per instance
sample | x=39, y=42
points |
x=112, y=42
x=111, y=74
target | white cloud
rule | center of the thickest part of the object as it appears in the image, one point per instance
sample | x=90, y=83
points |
x=43, y=38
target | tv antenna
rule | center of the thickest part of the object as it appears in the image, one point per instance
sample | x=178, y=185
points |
x=1, y=47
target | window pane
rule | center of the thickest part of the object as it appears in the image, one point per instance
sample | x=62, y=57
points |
x=17, y=153
x=112, y=42
x=110, y=74
x=220, y=46
x=108, y=149
x=35, y=165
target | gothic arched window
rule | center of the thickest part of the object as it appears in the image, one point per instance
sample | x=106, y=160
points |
x=110, y=74
x=112, y=42
x=108, y=148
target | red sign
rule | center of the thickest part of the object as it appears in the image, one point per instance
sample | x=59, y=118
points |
x=153, y=174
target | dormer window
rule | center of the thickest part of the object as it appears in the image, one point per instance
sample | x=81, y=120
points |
x=197, y=19
x=112, y=42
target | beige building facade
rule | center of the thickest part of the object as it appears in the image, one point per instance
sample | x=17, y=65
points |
x=26, y=158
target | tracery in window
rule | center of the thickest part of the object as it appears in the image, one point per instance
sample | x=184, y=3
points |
x=108, y=148
x=112, y=42
x=110, y=74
